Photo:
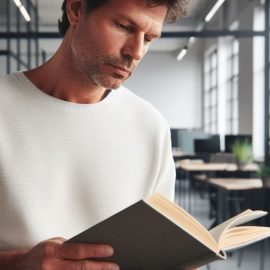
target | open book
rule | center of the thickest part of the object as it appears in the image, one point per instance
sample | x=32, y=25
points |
x=156, y=234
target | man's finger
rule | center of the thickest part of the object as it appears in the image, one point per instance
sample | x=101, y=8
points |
x=79, y=265
x=74, y=251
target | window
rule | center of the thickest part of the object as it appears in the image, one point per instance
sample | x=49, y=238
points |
x=232, y=118
x=210, y=92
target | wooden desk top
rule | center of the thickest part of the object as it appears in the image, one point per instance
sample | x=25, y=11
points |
x=178, y=153
x=237, y=183
x=200, y=166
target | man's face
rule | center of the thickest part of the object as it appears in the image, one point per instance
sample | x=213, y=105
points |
x=109, y=42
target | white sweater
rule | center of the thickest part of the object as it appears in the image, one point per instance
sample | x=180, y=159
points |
x=66, y=166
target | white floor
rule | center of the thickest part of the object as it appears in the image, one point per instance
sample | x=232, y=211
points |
x=251, y=256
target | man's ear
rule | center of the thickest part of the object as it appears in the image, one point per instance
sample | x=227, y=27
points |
x=74, y=11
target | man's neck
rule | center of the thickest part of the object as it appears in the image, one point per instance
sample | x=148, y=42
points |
x=57, y=80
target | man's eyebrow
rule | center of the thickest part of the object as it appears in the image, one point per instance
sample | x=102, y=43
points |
x=134, y=24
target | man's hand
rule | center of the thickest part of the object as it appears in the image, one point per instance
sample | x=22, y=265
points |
x=53, y=254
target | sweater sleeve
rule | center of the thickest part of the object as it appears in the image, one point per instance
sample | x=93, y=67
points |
x=166, y=177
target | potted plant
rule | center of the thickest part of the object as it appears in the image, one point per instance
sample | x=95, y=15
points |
x=264, y=173
x=242, y=151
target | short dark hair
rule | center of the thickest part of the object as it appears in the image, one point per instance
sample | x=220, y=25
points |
x=176, y=8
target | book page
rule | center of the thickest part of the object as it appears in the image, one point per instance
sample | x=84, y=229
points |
x=183, y=219
x=244, y=217
x=242, y=236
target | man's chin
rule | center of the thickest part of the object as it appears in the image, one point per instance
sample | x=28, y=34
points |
x=112, y=84
x=116, y=86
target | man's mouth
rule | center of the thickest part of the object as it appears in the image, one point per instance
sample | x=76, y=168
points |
x=123, y=71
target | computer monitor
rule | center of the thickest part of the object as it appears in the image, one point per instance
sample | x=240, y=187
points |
x=187, y=137
x=174, y=137
x=230, y=140
x=210, y=145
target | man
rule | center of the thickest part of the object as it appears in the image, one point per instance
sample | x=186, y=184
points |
x=73, y=150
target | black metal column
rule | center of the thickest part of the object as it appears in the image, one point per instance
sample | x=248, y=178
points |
x=18, y=41
x=8, y=63
x=43, y=56
x=266, y=83
x=29, y=47
x=36, y=30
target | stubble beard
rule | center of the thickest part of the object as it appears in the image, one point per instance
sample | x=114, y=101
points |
x=94, y=72
x=92, y=68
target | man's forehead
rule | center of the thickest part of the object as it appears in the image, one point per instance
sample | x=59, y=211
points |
x=138, y=11
x=157, y=12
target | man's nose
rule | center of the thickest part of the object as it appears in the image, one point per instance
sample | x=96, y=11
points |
x=134, y=48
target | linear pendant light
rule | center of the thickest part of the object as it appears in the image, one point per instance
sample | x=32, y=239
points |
x=22, y=9
x=208, y=17
x=182, y=54
x=213, y=11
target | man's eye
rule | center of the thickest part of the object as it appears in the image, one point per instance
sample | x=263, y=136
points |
x=147, y=40
x=122, y=26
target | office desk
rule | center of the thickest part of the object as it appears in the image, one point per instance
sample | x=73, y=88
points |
x=213, y=167
x=209, y=168
x=237, y=183
x=177, y=153
x=225, y=185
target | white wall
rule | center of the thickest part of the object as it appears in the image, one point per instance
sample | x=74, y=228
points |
x=173, y=87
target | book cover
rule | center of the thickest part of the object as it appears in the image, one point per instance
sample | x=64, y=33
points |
x=157, y=234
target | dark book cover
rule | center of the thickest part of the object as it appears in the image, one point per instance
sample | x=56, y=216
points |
x=143, y=239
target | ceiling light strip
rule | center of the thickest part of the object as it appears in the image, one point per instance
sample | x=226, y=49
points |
x=182, y=54
x=23, y=10
x=214, y=9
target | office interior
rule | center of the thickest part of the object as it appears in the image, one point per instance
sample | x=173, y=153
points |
x=209, y=78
